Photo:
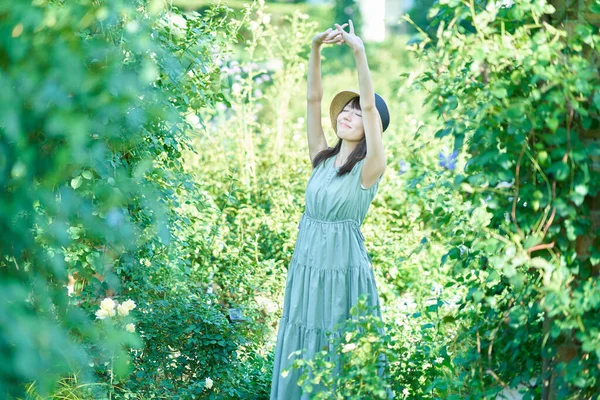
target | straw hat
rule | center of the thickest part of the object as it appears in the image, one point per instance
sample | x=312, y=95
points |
x=343, y=97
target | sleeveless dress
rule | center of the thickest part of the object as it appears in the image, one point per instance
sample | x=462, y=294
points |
x=329, y=270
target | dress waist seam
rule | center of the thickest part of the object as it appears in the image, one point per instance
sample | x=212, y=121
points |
x=324, y=221
x=353, y=222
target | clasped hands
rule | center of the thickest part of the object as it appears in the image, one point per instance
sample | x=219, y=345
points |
x=340, y=36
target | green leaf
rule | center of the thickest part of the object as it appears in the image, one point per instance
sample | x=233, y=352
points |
x=477, y=295
x=517, y=281
x=552, y=123
x=76, y=182
x=560, y=170
x=442, y=132
x=595, y=257
x=581, y=189
x=500, y=92
x=531, y=241
x=539, y=262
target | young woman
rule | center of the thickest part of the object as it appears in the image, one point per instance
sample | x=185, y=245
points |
x=330, y=267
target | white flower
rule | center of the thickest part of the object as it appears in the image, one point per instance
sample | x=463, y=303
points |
x=269, y=305
x=122, y=310
x=209, y=383
x=405, y=392
x=266, y=19
x=130, y=328
x=130, y=304
x=236, y=87
x=348, y=347
x=193, y=119
x=125, y=307
x=504, y=4
x=439, y=360
x=102, y=313
x=108, y=304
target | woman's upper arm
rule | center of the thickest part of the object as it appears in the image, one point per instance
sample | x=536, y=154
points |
x=314, y=128
x=372, y=170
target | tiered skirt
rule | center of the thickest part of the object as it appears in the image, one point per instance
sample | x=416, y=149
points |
x=329, y=270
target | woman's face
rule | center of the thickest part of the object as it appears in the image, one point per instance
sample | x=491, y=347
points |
x=350, y=124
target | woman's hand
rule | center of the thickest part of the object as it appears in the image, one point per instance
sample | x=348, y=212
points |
x=329, y=36
x=350, y=39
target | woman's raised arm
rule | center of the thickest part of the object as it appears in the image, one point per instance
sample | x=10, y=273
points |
x=375, y=160
x=314, y=92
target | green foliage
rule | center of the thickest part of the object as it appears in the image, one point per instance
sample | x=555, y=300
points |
x=320, y=13
x=90, y=142
x=419, y=14
x=187, y=340
x=348, y=9
x=353, y=367
x=142, y=160
x=522, y=120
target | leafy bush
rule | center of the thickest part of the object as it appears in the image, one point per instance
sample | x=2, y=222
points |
x=354, y=365
x=90, y=146
x=523, y=121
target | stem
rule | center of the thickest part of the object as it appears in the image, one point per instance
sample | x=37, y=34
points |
x=472, y=8
x=112, y=362
x=515, y=199
x=540, y=246
x=537, y=166
x=553, y=210
x=479, y=363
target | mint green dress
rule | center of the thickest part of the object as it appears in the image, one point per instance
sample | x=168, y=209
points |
x=329, y=270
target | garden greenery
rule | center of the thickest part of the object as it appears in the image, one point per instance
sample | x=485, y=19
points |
x=519, y=95
x=90, y=159
x=151, y=161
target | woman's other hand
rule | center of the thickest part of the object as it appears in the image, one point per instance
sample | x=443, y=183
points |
x=330, y=36
x=350, y=38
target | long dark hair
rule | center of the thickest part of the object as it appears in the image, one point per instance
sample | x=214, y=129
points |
x=359, y=152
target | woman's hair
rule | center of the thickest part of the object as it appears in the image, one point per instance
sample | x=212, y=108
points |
x=359, y=152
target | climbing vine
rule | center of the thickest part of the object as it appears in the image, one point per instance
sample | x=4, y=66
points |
x=519, y=95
